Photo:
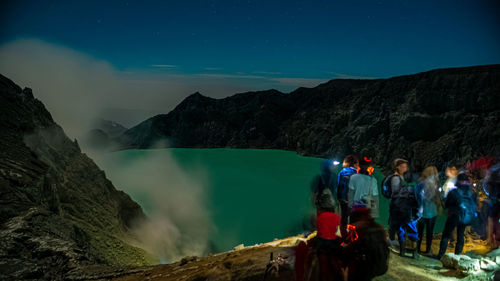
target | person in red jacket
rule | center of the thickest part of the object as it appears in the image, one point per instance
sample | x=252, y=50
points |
x=325, y=247
x=328, y=239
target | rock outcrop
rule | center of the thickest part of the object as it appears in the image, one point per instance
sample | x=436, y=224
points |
x=435, y=117
x=58, y=212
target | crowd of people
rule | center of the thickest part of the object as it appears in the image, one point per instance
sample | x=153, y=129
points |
x=347, y=201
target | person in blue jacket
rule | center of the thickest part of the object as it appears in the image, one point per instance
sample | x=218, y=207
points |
x=350, y=167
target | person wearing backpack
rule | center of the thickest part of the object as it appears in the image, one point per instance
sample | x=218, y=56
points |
x=363, y=188
x=461, y=203
x=321, y=257
x=492, y=189
x=350, y=164
x=402, y=206
x=400, y=167
x=429, y=202
x=325, y=181
x=368, y=255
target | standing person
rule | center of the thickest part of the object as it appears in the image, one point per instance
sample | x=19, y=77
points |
x=325, y=247
x=400, y=167
x=402, y=206
x=428, y=197
x=328, y=240
x=324, y=181
x=492, y=189
x=451, y=174
x=449, y=184
x=478, y=171
x=461, y=203
x=363, y=188
x=350, y=167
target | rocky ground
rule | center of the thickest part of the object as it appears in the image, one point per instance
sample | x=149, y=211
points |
x=250, y=263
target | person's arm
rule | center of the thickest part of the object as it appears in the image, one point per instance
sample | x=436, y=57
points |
x=374, y=187
x=419, y=194
x=351, y=191
x=351, y=183
x=343, y=189
x=395, y=183
x=350, y=196
x=374, y=198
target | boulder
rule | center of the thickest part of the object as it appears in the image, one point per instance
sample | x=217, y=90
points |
x=494, y=256
x=488, y=265
x=450, y=260
x=467, y=266
x=462, y=263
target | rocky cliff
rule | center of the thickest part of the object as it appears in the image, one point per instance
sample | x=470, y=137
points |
x=434, y=117
x=58, y=212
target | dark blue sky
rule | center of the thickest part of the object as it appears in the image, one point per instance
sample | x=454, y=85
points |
x=310, y=39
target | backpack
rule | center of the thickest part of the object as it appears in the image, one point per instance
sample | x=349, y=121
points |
x=404, y=201
x=325, y=200
x=387, y=187
x=370, y=252
x=467, y=207
x=324, y=197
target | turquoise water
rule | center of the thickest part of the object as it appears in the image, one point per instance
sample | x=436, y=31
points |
x=253, y=196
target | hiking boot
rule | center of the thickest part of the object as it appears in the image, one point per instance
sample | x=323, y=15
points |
x=415, y=254
x=402, y=250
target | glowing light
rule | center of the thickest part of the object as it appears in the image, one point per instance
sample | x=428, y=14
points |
x=370, y=170
x=335, y=162
x=353, y=235
x=366, y=159
x=450, y=184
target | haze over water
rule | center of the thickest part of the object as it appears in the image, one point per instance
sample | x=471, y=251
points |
x=250, y=196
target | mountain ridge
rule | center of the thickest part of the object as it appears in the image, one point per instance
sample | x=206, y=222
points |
x=416, y=116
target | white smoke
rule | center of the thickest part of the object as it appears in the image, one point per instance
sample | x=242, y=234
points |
x=179, y=222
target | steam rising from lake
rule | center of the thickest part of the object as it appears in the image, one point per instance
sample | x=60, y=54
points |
x=179, y=222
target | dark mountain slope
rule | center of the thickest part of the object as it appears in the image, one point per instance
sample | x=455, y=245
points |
x=431, y=118
x=58, y=211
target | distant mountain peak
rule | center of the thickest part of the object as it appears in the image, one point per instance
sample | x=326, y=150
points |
x=414, y=116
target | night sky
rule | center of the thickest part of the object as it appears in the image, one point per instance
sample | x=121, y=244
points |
x=308, y=39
